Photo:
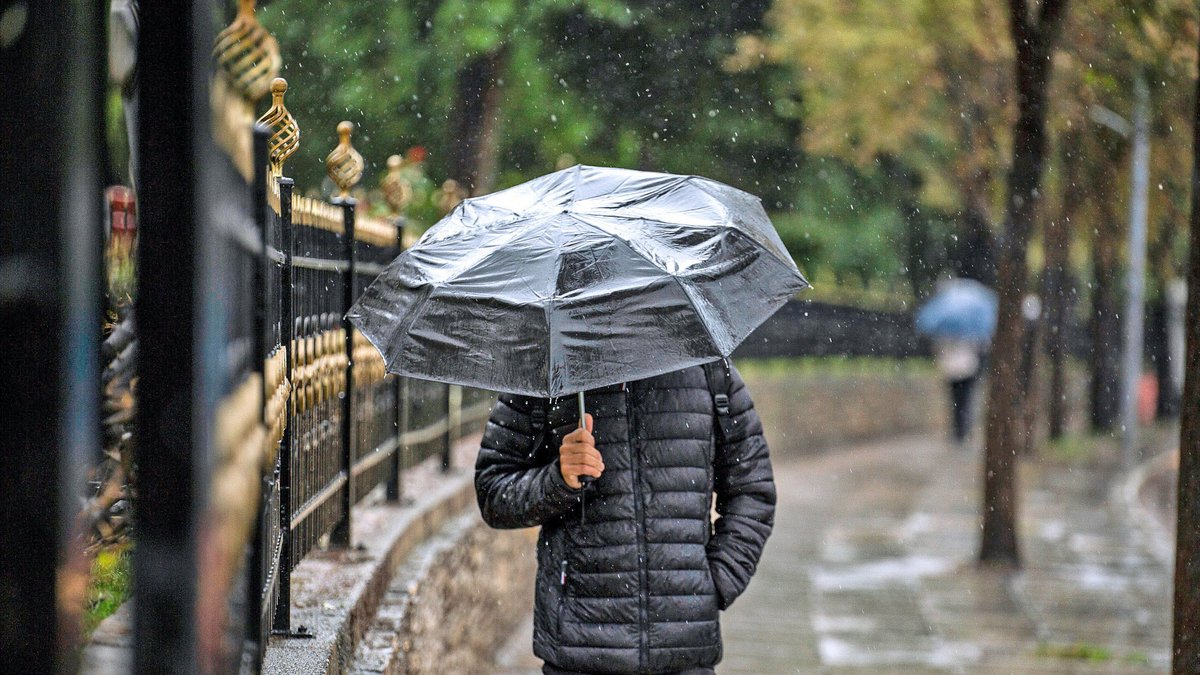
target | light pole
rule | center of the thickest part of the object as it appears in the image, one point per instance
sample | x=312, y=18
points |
x=1134, y=319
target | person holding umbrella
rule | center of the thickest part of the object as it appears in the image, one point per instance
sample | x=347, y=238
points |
x=620, y=293
x=636, y=587
x=960, y=319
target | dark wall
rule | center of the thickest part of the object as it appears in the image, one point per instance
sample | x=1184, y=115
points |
x=809, y=328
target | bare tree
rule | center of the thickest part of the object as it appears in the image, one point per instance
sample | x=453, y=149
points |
x=1034, y=33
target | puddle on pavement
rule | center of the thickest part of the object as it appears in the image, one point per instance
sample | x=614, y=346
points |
x=880, y=573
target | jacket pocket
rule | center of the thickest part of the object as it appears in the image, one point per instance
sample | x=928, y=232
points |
x=714, y=593
x=564, y=569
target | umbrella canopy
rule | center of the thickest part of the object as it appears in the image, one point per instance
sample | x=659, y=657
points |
x=963, y=309
x=580, y=279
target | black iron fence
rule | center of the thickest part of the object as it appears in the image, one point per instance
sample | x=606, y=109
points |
x=261, y=418
x=337, y=424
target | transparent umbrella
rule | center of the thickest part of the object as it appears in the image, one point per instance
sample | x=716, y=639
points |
x=580, y=279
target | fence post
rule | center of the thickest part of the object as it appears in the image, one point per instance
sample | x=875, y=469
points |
x=453, y=423
x=340, y=536
x=283, y=142
x=283, y=606
x=175, y=390
x=393, y=484
x=50, y=342
x=345, y=167
x=258, y=202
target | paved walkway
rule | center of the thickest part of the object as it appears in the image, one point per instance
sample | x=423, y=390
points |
x=871, y=570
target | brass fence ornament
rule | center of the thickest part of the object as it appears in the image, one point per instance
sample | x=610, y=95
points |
x=344, y=164
x=396, y=189
x=450, y=195
x=285, y=133
x=247, y=54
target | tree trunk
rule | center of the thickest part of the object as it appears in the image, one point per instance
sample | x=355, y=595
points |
x=475, y=144
x=1031, y=401
x=1059, y=284
x=1187, y=547
x=923, y=272
x=1034, y=40
x=1164, y=312
x=1106, y=337
x=974, y=256
x=1157, y=349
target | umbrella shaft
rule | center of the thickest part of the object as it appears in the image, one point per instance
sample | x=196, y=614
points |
x=583, y=480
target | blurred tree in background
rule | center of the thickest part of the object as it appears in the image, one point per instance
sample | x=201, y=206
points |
x=878, y=134
x=917, y=94
x=1106, y=45
x=664, y=85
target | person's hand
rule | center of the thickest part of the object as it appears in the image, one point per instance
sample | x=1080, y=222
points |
x=578, y=456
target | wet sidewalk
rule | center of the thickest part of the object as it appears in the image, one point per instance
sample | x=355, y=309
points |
x=871, y=570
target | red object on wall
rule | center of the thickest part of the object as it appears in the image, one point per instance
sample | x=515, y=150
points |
x=123, y=208
x=416, y=154
x=1147, y=398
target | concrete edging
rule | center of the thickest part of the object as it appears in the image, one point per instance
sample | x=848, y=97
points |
x=336, y=593
x=1160, y=539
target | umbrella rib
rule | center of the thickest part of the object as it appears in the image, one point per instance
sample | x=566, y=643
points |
x=754, y=242
x=575, y=189
x=707, y=331
x=467, y=263
x=550, y=337
x=711, y=339
x=618, y=238
x=701, y=185
x=415, y=313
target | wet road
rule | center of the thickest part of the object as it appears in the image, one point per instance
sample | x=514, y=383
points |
x=871, y=570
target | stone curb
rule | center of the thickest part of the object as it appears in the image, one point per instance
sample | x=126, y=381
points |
x=1160, y=539
x=335, y=593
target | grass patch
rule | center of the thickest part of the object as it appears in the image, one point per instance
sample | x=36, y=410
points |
x=1136, y=659
x=1077, y=448
x=1083, y=651
x=110, y=585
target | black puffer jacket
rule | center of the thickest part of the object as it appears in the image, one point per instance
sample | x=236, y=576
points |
x=637, y=587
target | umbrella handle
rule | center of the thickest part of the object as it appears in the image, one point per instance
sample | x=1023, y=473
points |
x=584, y=480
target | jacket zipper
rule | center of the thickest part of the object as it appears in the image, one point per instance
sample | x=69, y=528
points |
x=639, y=529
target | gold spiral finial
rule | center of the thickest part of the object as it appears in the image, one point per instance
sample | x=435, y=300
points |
x=285, y=133
x=450, y=195
x=344, y=164
x=396, y=189
x=247, y=54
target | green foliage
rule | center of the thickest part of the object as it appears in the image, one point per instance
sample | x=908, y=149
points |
x=110, y=586
x=619, y=83
x=924, y=81
x=671, y=86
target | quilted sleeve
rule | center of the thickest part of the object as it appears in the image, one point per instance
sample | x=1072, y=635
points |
x=745, y=488
x=513, y=490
